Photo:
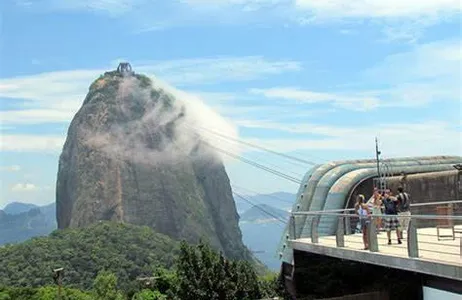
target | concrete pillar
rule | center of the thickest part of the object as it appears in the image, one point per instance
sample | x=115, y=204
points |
x=314, y=229
x=412, y=241
x=340, y=236
x=372, y=232
x=292, y=233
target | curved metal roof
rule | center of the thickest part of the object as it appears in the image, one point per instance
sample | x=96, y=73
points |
x=339, y=192
x=327, y=186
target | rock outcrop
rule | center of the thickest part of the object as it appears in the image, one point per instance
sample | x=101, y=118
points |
x=131, y=156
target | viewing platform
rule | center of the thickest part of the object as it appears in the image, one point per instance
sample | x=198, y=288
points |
x=432, y=245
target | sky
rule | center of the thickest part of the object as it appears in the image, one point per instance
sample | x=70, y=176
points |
x=317, y=80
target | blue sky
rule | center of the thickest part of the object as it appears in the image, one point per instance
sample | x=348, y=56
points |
x=315, y=79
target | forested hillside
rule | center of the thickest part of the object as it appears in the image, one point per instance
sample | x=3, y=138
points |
x=114, y=261
x=126, y=250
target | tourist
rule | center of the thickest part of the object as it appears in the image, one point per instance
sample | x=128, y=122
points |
x=391, y=222
x=404, y=211
x=363, y=211
x=375, y=205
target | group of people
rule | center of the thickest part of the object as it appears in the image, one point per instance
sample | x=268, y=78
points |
x=390, y=206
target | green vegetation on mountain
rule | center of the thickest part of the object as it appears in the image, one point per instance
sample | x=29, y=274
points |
x=126, y=250
x=103, y=261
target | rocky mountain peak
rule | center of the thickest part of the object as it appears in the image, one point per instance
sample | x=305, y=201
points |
x=134, y=154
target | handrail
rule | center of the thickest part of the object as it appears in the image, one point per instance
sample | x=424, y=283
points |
x=314, y=212
x=436, y=203
x=431, y=217
x=330, y=210
x=343, y=228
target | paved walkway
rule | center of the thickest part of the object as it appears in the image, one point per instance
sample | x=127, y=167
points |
x=439, y=258
x=445, y=251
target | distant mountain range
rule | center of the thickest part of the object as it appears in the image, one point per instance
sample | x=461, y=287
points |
x=22, y=221
x=262, y=213
x=18, y=207
x=280, y=200
x=262, y=225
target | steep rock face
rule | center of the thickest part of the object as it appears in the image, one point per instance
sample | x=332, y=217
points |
x=130, y=156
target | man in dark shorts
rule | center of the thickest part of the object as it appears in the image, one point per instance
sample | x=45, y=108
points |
x=391, y=221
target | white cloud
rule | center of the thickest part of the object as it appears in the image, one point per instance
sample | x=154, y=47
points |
x=426, y=73
x=399, y=19
x=354, y=102
x=23, y=187
x=37, y=116
x=242, y=6
x=218, y=69
x=396, y=20
x=214, y=97
x=112, y=7
x=400, y=139
x=331, y=8
x=51, y=97
x=51, y=86
x=379, y=8
x=426, y=61
x=12, y=168
x=56, y=96
x=31, y=143
x=146, y=15
x=347, y=31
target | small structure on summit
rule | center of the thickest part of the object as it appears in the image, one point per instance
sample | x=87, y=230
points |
x=125, y=68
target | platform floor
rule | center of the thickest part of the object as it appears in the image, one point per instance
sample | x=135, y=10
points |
x=444, y=251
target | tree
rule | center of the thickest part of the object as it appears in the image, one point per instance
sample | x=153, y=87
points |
x=149, y=295
x=105, y=286
x=23, y=293
x=200, y=273
x=205, y=274
x=166, y=282
x=270, y=285
x=189, y=273
x=51, y=292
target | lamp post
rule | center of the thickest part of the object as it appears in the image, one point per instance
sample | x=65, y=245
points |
x=377, y=158
x=147, y=282
x=58, y=277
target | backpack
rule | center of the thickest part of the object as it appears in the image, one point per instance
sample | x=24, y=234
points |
x=390, y=207
x=405, y=201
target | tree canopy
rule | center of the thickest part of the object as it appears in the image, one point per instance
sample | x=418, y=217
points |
x=126, y=250
x=198, y=273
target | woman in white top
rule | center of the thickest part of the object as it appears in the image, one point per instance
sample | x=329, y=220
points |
x=375, y=206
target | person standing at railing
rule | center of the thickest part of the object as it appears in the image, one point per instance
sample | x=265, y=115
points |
x=363, y=211
x=391, y=220
x=375, y=205
x=404, y=211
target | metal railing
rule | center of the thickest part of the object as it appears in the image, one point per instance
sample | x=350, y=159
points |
x=423, y=232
